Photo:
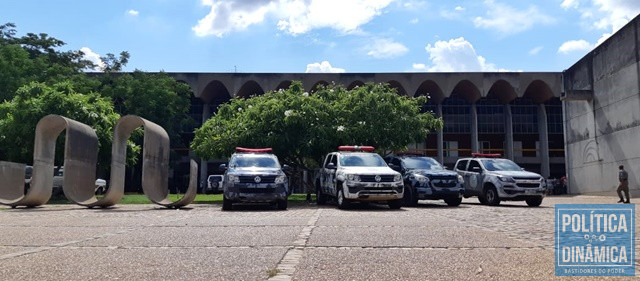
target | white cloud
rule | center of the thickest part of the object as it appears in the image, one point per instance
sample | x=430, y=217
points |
x=382, y=48
x=608, y=15
x=535, y=50
x=419, y=66
x=92, y=57
x=293, y=16
x=574, y=46
x=459, y=8
x=323, y=67
x=508, y=20
x=414, y=21
x=133, y=13
x=456, y=55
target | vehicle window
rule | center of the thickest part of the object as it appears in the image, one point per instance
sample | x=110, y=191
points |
x=362, y=160
x=472, y=164
x=396, y=161
x=426, y=163
x=500, y=165
x=257, y=161
x=332, y=159
x=462, y=165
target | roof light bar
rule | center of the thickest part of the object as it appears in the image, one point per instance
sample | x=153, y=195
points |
x=486, y=155
x=356, y=148
x=254, y=150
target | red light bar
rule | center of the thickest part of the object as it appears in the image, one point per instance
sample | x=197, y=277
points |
x=356, y=148
x=487, y=155
x=255, y=150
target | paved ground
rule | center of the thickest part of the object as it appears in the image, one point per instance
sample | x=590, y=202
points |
x=429, y=242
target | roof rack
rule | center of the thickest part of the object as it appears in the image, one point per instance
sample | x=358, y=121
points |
x=356, y=148
x=254, y=150
x=486, y=155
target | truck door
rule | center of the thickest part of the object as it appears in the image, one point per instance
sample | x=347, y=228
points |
x=474, y=177
x=328, y=175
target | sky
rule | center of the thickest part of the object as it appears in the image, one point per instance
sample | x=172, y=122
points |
x=295, y=36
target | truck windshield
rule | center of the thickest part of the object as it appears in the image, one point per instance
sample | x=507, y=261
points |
x=362, y=160
x=421, y=163
x=257, y=161
x=500, y=165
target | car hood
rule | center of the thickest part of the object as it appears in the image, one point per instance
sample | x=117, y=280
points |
x=425, y=172
x=521, y=174
x=256, y=171
x=369, y=170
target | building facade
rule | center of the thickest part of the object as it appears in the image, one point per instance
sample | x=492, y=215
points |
x=517, y=114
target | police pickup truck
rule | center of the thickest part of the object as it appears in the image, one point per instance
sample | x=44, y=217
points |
x=254, y=176
x=493, y=179
x=354, y=173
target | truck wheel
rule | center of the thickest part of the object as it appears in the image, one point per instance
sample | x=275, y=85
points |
x=491, y=195
x=282, y=204
x=395, y=204
x=534, y=201
x=453, y=202
x=227, y=204
x=410, y=198
x=482, y=200
x=321, y=199
x=343, y=203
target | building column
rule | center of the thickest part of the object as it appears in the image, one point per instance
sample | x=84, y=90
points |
x=474, y=128
x=508, y=132
x=440, y=137
x=543, y=139
x=203, y=162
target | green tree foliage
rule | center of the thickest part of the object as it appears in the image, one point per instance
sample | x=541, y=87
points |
x=18, y=119
x=301, y=128
x=153, y=96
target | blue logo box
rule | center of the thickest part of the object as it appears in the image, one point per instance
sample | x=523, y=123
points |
x=595, y=240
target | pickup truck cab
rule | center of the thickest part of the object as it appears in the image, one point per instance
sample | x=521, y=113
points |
x=355, y=173
x=425, y=179
x=494, y=179
x=254, y=175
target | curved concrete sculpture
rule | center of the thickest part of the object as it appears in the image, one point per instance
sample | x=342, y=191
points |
x=80, y=158
x=155, y=162
x=81, y=155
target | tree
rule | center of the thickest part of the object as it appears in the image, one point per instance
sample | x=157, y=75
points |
x=18, y=119
x=301, y=128
x=156, y=97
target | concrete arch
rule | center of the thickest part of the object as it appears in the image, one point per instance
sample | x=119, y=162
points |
x=284, y=85
x=502, y=91
x=316, y=85
x=466, y=90
x=215, y=92
x=250, y=88
x=538, y=91
x=398, y=86
x=355, y=84
x=432, y=89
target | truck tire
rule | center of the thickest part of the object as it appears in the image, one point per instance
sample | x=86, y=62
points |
x=321, y=199
x=534, y=201
x=395, y=204
x=410, y=198
x=343, y=203
x=227, y=205
x=282, y=204
x=453, y=202
x=491, y=195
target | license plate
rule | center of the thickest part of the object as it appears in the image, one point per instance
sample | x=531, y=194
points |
x=529, y=191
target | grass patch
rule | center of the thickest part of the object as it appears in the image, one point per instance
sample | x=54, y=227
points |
x=135, y=198
x=273, y=272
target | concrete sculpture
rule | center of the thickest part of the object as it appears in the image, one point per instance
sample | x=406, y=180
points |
x=80, y=159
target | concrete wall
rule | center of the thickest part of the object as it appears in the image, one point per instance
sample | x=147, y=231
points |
x=603, y=132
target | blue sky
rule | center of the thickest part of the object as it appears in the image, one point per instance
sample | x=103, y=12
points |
x=328, y=35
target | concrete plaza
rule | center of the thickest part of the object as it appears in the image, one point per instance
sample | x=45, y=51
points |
x=306, y=242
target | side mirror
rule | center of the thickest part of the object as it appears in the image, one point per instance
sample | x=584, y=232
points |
x=522, y=169
x=286, y=168
x=395, y=167
x=331, y=166
x=223, y=167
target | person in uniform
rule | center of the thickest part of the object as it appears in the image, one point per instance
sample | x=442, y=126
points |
x=624, y=185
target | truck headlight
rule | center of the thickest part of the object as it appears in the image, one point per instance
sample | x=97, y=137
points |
x=233, y=178
x=281, y=179
x=353, y=177
x=397, y=177
x=506, y=179
x=421, y=178
x=460, y=179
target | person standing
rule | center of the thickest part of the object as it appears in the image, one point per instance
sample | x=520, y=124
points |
x=624, y=185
